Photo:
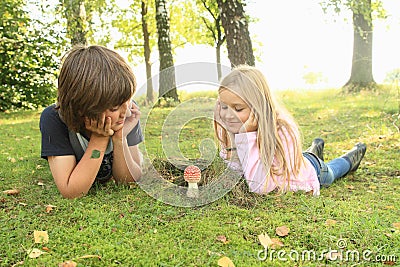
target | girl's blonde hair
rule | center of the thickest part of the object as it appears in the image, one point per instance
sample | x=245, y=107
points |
x=92, y=79
x=275, y=124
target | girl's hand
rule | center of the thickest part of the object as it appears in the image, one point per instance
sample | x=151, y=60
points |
x=131, y=120
x=251, y=125
x=101, y=127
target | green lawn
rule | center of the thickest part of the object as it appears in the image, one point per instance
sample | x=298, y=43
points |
x=357, y=217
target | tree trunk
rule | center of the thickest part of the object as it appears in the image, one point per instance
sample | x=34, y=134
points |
x=75, y=14
x=361, y=69
x=147, y=52
x=237, y=35
x=167, y=83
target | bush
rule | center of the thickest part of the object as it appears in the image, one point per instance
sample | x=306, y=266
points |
x=28, y=59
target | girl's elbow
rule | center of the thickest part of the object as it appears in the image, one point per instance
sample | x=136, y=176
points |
x=138, y=175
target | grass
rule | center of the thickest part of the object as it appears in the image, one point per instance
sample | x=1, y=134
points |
x=124, y=226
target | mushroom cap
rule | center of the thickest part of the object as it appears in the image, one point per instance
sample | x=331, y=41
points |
x=192, y=174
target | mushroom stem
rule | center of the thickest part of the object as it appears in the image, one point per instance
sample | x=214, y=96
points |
x=193, y=185
x=193, y=190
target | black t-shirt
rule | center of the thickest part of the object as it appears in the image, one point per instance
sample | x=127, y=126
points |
x=55, y=140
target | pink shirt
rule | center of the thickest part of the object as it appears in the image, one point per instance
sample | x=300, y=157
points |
x=255, y=174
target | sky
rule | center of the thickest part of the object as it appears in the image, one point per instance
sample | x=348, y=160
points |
x=297, y=38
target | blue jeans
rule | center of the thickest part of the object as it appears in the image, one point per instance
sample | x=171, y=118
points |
x=328, y=172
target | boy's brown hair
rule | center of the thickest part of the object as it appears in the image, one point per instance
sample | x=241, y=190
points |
x=92, y=79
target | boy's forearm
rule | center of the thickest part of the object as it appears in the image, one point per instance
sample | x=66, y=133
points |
x=82, y=177
x=126, y=167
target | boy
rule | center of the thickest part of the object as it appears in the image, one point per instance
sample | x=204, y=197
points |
x=94, y=110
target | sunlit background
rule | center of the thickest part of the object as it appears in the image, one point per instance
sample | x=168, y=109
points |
x=295, y=38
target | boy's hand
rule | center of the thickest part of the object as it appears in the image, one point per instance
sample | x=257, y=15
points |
x=101, y=127
x=132, y=119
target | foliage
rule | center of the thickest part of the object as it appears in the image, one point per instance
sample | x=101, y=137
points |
x=78, y=15
x=393, y=76
x=128, y=22
x=123, y=226
x=313, y=78
x=28, y=58
x=356, y=6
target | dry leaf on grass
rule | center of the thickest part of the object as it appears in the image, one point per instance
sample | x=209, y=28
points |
x=68, y=264
x=225, y=262
x=265, y=240
x=41, y=237
x=276, y=243
x=50, y=208
x=396, y=225
x=330, y=222
x=35, y=253
x=18, y=263
x=282, y=230
x=333, y=255
x=11, y=192
x=90, y=256
x=222, y=239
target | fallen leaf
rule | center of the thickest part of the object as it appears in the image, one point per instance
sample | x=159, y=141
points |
x=13, y=160
x=41, y=237
x=45, y=248
x=350, y=187
x=89, y=256
x=390, y=263
x=18, y=263
x=330, y=222
x=50, y=208
x=225, y=262
x=276, y=243
x=222, y=239
x=11, y=192
x=333, y=255
x=68, y=264
x=282, y=231
x=396, y=225
x=211, y=253
x=265, y=240
x=35, y=253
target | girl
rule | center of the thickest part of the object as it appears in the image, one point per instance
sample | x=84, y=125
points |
x=261, y=139
x=94, y=111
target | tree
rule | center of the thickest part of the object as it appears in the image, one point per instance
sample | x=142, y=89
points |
x=78, y=14
x=361, y=70
x=214, y=28
x=75, y=13
x=147, y=53
x=28, y=52
x=238, y=40
x=167, y=83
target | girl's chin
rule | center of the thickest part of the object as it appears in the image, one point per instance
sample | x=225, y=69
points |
x=117, y=127
x=233, y=130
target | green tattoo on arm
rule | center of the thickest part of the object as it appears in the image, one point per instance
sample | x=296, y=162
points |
x=95, y=154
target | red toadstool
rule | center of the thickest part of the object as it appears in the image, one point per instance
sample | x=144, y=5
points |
x=192, y=175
